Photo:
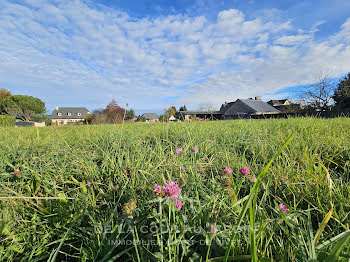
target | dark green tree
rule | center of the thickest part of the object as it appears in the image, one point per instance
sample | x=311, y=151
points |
x=179, y=115
x=22, y=106
x=342, y=93
x=183, y=108
x=130, y=114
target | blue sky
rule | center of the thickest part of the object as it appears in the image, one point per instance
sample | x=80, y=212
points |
x=153, y=54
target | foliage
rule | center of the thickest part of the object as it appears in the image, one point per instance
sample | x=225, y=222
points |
x=42, y=118
x=130, y=114
x=342, y=93
x=163, y=118
x=171, y=111
x=88, y=119
x=4, y=93
x=112, y=114
x=183, y=108
x=22, y=106
x=179, y=115
x=86, y=193
x=141, y=119
x=7, y=120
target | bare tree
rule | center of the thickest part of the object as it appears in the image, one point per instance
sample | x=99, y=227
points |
x=318, y=95
x=206, y=107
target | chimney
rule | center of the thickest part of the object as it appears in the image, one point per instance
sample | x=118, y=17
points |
x=56, y=108
x=258, y=98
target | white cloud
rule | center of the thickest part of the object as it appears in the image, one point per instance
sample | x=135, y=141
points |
x=53, y=48
x=292, y=39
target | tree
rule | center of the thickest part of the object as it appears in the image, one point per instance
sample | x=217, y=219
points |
x=98, y=117
x=179, y=115
x=171, y=111
x=163, y=118
x=318, y=95
x=4, y=93
x=130, y=115
x=183, y=108
x=22, y=106
x=114, y=113
x=141, y=119
x=206, y=107
x=342, y=93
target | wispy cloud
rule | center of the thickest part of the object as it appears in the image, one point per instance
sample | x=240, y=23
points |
x=76, y=52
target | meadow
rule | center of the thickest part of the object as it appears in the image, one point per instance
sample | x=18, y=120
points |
x=87, y=193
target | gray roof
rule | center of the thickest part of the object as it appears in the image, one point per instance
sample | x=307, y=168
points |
x=259, y=106
x=225, y=106
x=200, y=112
x=75, y=113
x=150, y=116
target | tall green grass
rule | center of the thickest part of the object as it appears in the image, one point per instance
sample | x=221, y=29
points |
x=71, y=206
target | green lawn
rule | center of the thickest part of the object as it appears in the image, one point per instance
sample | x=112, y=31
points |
x=85, y=193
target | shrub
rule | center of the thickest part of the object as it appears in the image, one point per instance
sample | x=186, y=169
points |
x=141, y=119
x=7, y=121
x=42, y=118
x=163, y=118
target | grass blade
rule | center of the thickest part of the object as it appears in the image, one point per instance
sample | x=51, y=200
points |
x=251, y=196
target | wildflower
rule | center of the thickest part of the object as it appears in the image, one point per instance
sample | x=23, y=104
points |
x=63, y=150
x=283, y=208
x=252, y=179
x=178, y=150
x=213, y=229
x=171, y=190
x=16, y=172
x=157, y=189
x=178, y=204
x=227, y=171
x=244, y=171
x=129, y=207
x=195, y=149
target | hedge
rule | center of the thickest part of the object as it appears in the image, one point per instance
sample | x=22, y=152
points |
x=7, y=120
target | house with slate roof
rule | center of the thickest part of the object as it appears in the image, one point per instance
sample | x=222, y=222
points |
x=249, y=107
x=65, y=115
x=151, y=117
x=239, y=108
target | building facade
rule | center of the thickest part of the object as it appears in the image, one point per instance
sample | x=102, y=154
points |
x=65, y=115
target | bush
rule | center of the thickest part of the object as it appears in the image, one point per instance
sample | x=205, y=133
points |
x=163, y=118
x=7, y=121
x=42, y=118
x=141, y=119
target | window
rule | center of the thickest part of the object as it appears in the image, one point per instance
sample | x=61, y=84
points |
x=79, y=114
x=59, y=114
x=69, y=114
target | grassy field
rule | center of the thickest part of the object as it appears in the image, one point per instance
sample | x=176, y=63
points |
x=86, y=193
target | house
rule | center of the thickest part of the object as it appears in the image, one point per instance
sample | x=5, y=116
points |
x=281, y=102
x=247, y=107
x=285, y=106
x=151, y=117
x=238, y=109
x=65, y=115
x=172, y=118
